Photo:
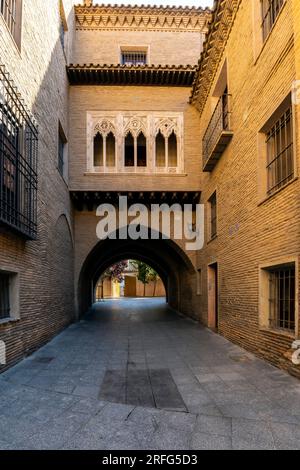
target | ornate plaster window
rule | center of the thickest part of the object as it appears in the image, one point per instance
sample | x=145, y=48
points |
x=135, y=142
x=104, y=145
x=166, y=148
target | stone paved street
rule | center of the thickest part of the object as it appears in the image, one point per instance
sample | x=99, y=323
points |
x=135, y=375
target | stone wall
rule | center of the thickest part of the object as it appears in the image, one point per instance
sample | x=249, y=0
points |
x=44, y=266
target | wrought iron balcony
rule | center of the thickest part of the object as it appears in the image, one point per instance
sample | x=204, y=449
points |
x=218, y=134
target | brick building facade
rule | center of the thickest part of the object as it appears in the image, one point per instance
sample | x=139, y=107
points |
x=123, y=108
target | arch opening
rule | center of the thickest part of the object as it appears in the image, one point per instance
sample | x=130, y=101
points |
x=129, y=279
x=166, y=257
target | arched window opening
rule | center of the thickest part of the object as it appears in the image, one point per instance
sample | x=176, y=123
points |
x=110, y=150
x=160, y=150
x=141, y=151
x=173, y=150
x=129, y=150
x=98, y=150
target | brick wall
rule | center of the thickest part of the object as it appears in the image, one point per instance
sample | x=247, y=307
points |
x=121, y=98
x=251, y=231
x=164, y=48
x=45, y=266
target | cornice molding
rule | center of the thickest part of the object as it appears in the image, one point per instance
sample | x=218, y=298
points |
x=221, y=24
x=141, y=18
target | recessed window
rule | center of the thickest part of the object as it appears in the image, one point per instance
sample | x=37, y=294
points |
x=104, y=150
x=282, y=298
x=280, y=158
x=135, y=151
x=137, y=57
x=270, y=11
x=141, y=150
x=11, y=10
x=199, y=282
x=172, y=151
x=213, y=215
x=110, y=150
x=129, y=150
x=166, y=150
x=4, y=296
x=160, y=150
x=98, y=150
x=9, y=296
x=62, y=144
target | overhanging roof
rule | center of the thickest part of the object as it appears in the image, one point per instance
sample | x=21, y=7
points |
x=145, y=75
x=91, y=199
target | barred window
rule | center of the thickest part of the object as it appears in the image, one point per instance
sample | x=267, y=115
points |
x=213, y=215
x=134, y=58
x=4, y=296
x=11, y=11
x=18, y=161
x=282, y=297
x=270, y=11
x=279, y=140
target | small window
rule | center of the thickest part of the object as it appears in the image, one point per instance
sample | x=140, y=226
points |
x=110, y=150
x=141, y=151
x=199, y=282
x=62, y=141
x=98, y=150
x=134, y=57
x=11, y=11
x=270, y=11
x=280, y=159
x=4, y=296
x=129, y=150
x=213, y=215
x=282, y=298
x=173, y=150
x=160, y=151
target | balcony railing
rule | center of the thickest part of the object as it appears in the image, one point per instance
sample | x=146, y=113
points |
x=217, y=135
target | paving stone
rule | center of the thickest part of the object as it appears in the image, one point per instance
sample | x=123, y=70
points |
x=286, y=436
x=252, y=435
x=56, y=405
x=203, y=441
x=89, y=391
x=215, y=425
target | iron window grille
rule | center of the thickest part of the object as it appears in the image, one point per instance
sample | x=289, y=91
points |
x=4, y=296
x=279, y=140
x=134, y=58
x=270, y=11
x=18, y=161
x=282, y=298
x=213, y=215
